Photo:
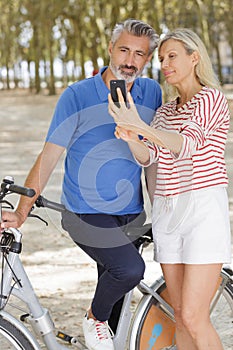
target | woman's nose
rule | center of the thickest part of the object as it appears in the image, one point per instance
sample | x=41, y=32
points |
x=164, y=63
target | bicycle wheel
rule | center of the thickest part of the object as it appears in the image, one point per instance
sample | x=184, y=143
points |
x=12, y=338
x=154, y=330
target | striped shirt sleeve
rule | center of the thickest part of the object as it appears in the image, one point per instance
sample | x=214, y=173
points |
x=210, y=119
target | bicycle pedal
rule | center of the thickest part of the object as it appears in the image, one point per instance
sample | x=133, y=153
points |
x=71, y=340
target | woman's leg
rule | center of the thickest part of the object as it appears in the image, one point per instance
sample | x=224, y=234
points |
x=191, y=289
x=174, y=277
x=199, y=285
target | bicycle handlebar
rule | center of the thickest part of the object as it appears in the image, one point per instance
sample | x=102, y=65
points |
x=142, y=234
x=8, y=186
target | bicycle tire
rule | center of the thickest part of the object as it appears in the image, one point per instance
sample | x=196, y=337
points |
x=11, y=338
x=152, y=329
x=222, y=317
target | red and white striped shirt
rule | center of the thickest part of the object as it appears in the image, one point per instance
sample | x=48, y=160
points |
x=203, y=122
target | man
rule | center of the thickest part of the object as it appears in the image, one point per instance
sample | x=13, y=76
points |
x=101, y=188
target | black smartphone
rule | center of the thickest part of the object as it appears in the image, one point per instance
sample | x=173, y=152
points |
x=114, y=84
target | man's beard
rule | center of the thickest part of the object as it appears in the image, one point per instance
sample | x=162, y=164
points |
x=119, y=73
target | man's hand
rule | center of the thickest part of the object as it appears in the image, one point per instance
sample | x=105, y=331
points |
x=12, y=219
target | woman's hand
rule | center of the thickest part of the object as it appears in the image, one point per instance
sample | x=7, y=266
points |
x=125, y=135
x=129, y=126
x=126, y=116
x=128, y=119
x=137, y=147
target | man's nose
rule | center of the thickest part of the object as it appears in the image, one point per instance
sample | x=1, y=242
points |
x=130, y=60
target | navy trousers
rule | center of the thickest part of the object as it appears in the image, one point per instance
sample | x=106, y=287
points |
x=104, y=238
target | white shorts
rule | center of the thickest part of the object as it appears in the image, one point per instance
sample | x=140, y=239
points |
x=192, y=228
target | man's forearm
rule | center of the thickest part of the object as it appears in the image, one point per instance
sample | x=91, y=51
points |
x=39, y=176
x=36, y=181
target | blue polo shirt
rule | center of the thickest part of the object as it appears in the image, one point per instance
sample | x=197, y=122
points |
x=101, y=175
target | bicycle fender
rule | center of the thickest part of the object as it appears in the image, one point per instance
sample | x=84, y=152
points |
x=22, y=328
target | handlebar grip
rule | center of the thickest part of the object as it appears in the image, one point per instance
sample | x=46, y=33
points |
x=11, y=187
x=24, y=191
x=45, y=203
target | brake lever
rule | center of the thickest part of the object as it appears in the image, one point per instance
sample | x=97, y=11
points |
x=9, y=205
x=30, y=215
x=38, y=217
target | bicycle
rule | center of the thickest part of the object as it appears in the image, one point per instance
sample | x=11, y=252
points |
x=150, y=327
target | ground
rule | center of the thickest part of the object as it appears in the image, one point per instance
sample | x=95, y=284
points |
x=63, y=277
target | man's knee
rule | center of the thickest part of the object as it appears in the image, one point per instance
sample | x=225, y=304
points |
x=132, y=273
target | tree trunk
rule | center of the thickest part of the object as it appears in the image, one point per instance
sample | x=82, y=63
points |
x=36, y=58
x=219, y=66
x=7, y=76
x=52, y=90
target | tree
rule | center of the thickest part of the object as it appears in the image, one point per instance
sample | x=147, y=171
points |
x=8, y=36
x=78, y=31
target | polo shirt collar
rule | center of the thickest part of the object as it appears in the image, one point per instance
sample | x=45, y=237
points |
x=103, y=91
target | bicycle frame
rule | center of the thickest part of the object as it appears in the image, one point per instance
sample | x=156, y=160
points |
x=39, y=317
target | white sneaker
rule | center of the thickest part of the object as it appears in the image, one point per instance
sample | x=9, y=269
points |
x=98, y=335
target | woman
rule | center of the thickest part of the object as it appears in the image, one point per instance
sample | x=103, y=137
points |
x=190, y=210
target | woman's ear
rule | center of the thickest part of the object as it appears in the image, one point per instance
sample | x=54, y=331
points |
x=195, y=57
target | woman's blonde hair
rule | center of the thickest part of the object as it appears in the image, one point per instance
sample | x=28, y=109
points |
x=191, y=42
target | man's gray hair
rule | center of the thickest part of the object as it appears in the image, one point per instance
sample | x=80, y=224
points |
x=137, y=28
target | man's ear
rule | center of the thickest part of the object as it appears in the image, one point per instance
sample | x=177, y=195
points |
x=110, y=46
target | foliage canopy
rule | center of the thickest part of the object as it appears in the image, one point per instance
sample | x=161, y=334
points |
x=33, y=34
